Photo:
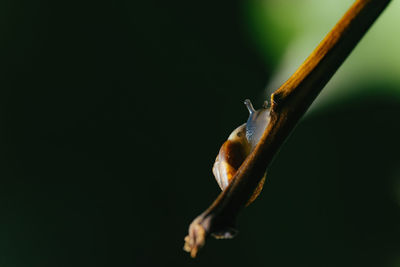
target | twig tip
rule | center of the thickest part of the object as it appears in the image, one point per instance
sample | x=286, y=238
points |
x=195, y=240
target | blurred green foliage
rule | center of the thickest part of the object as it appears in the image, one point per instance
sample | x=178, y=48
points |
x=112, y=114
x=298, y=26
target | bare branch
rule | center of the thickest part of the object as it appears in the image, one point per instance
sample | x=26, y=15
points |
x=289, y=103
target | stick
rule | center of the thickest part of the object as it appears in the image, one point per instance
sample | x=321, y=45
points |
x=288, y=105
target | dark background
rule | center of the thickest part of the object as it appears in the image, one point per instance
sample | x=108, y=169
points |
x=112, y=115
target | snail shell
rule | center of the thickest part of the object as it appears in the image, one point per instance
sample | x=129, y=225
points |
x=241, y=142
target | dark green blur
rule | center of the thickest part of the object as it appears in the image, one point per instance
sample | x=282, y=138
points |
x=112, y=115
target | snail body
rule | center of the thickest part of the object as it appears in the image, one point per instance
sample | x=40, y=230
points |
x=241, y=142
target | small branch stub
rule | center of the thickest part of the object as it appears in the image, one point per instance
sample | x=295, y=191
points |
x=196, y=239
x=288, y=104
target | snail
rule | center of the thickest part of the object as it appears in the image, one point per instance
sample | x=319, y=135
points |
x=241, y=142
